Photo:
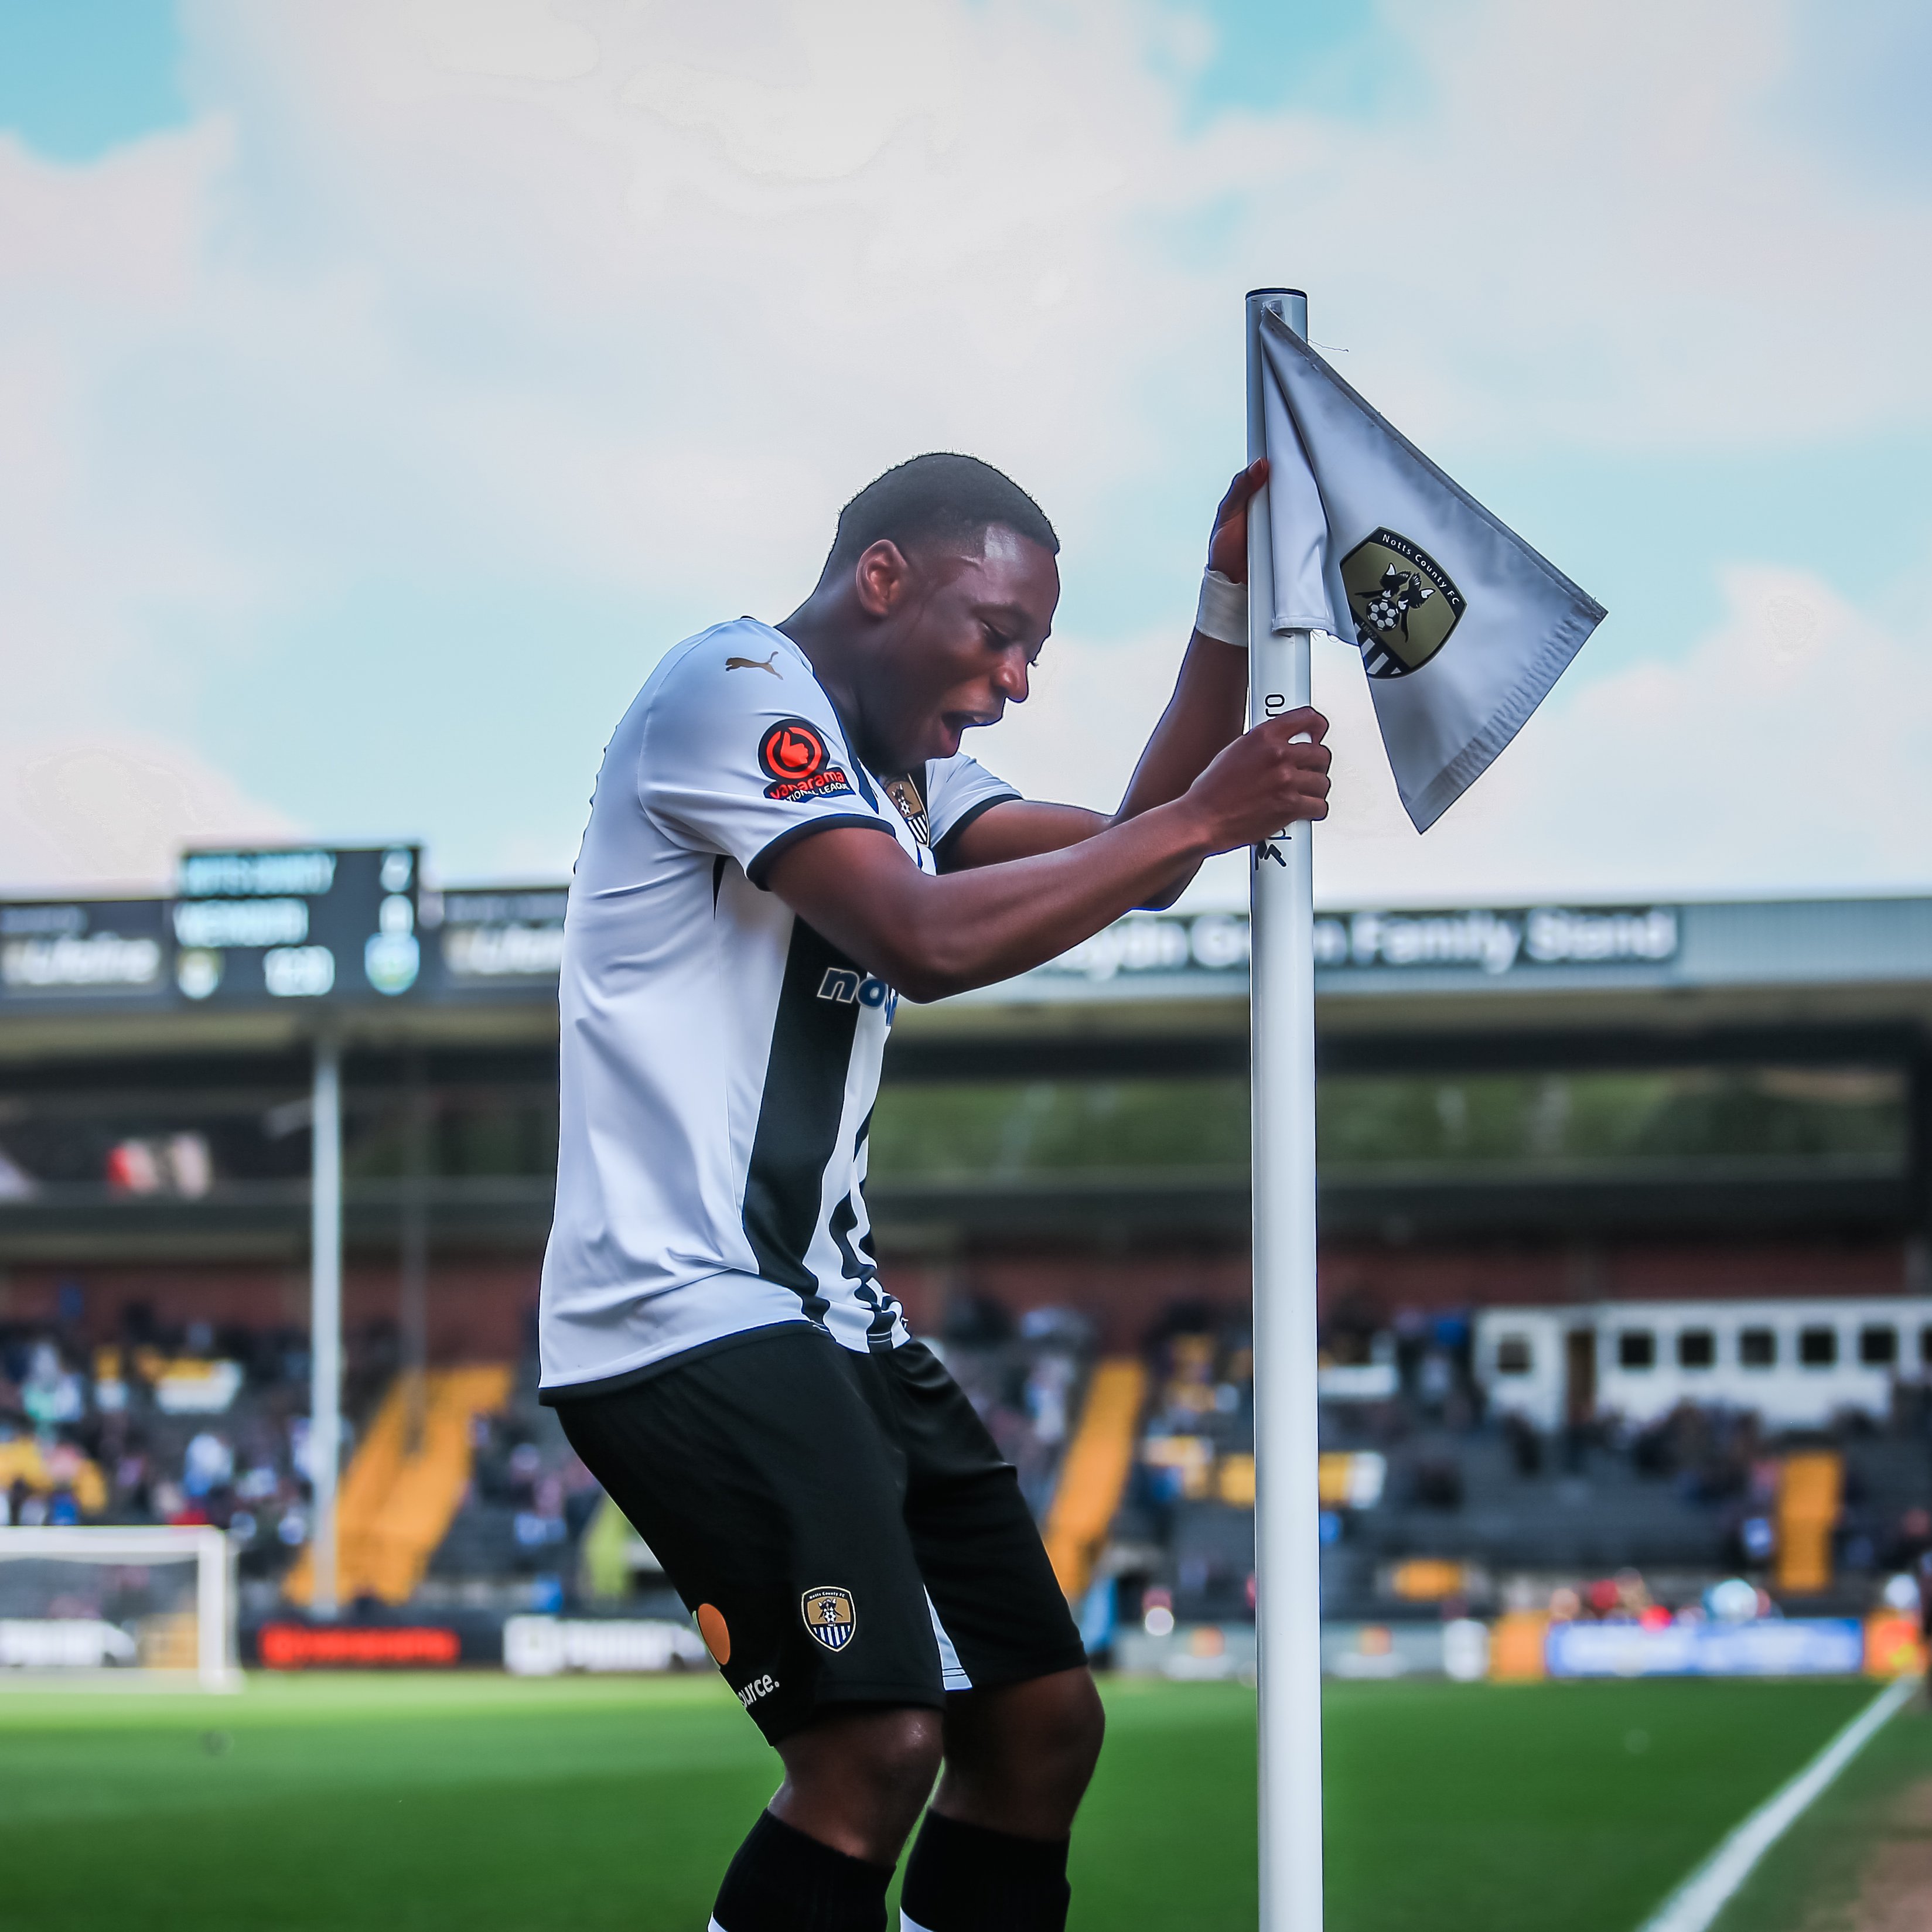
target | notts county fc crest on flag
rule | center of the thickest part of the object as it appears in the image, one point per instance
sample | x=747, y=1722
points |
x=830, y=1618
x=1403, y=603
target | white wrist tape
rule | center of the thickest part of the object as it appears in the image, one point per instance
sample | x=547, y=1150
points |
x=1223, y=614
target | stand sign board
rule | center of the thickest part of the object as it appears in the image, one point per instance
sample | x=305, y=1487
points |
x=84, y=950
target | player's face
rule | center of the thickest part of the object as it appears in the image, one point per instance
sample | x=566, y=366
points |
x=970, y=631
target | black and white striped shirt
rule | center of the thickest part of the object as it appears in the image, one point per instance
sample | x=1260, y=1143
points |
x=719, y=1058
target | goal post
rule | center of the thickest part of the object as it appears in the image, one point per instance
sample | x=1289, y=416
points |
x=141, y=1607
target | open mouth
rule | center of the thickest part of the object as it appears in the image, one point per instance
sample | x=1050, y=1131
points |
x=954, y=725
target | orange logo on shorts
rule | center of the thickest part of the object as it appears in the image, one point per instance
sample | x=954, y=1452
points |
x=716, y=1633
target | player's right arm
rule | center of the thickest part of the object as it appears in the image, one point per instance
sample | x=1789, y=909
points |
x=1204, y=715
x=929, y=937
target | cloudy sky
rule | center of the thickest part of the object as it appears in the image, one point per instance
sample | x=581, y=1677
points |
x=385, y=384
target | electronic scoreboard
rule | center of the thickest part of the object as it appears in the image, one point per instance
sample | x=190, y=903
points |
x=298, y=924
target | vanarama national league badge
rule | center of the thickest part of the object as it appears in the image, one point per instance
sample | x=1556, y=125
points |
x=829, y=1617
x=1404, y=604
x=798, y=761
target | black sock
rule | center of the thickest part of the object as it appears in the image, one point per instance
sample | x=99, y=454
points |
x=964, y=1878
x=783, y=1881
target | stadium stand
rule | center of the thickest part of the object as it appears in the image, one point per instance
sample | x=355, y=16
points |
x=1436, y=1498
x=489, y=1511
x=1095, y=1475
x=1809, y=1493
x=1437, y=1504
x=401, y=1495
x=524, y=1515
x=1638, y=1154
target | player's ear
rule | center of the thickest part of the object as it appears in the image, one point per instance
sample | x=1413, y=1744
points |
x=881, y=578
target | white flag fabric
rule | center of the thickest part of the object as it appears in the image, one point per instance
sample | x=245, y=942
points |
x=1462, y=627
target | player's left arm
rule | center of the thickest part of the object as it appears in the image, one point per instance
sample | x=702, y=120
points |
x=1206, y=713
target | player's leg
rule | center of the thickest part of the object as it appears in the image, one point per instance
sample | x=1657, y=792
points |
x=1019, y=1759
x=821, y=1854
x=857, y=1778
x=761, y=1479
x=992, y=1852
x=1023, y=1722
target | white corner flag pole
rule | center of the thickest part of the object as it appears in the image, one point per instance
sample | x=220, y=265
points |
x=1288, y=1608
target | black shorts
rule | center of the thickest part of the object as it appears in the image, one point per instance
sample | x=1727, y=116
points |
x=842, y=1525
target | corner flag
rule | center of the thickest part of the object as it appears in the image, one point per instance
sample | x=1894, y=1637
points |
x=1462, y=627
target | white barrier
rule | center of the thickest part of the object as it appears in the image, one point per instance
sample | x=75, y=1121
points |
x=546, y=1646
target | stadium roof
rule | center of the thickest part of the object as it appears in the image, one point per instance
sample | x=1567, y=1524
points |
x=79, y=975
x=162, y=1005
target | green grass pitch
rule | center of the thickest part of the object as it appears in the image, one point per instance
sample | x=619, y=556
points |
x=488, y=1804
x=1837, y=1853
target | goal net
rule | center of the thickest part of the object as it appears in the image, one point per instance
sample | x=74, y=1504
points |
x=152, y=1607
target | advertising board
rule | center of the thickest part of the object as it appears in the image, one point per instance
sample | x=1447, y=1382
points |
x=293, y=1646
x=536, y=1646
x=506, y=937
x=1767, y=1647
x=85, y=949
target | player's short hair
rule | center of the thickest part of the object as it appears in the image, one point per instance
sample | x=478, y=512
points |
x=936, y=497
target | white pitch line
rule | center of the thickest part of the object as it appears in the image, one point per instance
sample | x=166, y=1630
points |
x=1708, y=1889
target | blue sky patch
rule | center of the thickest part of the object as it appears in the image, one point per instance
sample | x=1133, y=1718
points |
x=79, y=78
x=1328, y=55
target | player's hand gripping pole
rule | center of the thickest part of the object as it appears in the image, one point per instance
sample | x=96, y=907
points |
x=1288, y=1612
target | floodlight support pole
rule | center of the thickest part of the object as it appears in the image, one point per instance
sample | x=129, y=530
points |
x=1287, y=1612
x=324, y=1385
x=415, y=1258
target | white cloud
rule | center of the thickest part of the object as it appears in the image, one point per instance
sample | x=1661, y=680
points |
x=1604, y=225
x=625, y=297
x=1790, y=749
x=102, y=812
x=511, y=40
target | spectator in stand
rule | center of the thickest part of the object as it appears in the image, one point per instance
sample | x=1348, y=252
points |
x=51, y=1393
x=208, y=1465
x=1913, y=1540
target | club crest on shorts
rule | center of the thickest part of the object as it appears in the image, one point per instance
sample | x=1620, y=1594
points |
x=1403, y=603
x=829, y=1617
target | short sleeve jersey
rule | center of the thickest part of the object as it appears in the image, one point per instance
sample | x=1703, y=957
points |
x=719, y=1059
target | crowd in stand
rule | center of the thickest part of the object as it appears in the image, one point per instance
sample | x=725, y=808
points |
x=185, y=1427
x=1409, y=1438
x=530, y=1500
x=194, y=1425
x=1024, y=1377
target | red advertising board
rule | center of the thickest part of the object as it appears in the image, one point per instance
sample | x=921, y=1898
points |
x=303, y=1647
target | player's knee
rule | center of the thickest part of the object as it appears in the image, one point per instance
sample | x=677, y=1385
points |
x=857, y=1779
x=1044, y=1738
x=1068, y=1727
x=895, y=1754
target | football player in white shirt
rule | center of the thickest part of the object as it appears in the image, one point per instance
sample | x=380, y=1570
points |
x=786, y=839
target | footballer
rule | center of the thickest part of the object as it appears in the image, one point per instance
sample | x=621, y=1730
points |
x=787, y=838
